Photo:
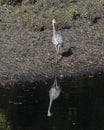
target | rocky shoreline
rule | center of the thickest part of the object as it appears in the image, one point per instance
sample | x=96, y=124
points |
x=30, y=56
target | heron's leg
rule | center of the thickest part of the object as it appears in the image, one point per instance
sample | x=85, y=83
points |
x=56, y=58
x=56, y=53
x=58, y=49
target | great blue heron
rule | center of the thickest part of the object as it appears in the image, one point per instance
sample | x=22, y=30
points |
x=57, y=39
x=54, y=93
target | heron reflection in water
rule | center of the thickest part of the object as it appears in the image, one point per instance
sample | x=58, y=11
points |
x=54, y=93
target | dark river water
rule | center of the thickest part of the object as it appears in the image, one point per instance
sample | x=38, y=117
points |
x=80, y=105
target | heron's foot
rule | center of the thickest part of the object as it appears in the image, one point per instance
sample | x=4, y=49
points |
x=59, y=58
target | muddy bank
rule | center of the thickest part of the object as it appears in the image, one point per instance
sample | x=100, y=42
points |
x=28, y=56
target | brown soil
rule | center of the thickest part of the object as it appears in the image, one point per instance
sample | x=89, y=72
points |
x=27, y=55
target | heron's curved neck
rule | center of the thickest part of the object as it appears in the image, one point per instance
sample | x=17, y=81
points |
x=53, y=29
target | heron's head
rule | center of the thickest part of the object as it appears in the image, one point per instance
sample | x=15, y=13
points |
x=53, y=21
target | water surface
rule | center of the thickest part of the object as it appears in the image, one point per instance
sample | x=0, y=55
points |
x=80, y=105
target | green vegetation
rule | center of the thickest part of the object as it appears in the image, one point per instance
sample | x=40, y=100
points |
x=4, y=125
x=6, y=26
x=38, y=15
x=15, y=2
x=12, y=2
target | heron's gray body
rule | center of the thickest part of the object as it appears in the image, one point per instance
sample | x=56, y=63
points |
x=54, y=93
x=57, y=39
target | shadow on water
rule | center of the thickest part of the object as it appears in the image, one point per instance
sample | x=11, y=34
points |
x=80, y=105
